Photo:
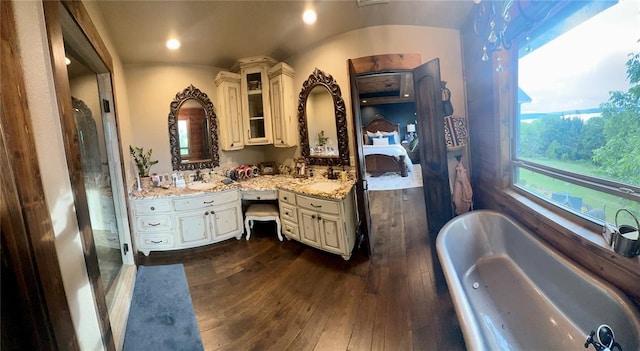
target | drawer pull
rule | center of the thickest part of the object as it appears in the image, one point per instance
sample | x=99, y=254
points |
x=258, y=197
x=156, y=242
x=206, y=213
x=285, y=198
x=154, y=224
x=316, y=206
x=287, y=213
x=208, y=202
x=313, y=217
x=153, y=208
x=319, y=218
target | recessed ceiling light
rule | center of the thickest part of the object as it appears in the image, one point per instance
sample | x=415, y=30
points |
x=364, y=101
x=309, y=16
x=173, y=44
x=406, y=95
x=67, y=61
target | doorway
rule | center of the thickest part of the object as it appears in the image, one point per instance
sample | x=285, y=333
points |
x=429, y=128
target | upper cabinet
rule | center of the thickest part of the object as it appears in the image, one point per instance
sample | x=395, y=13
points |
x=230, y=111
x=256, y=107
x=257, y=104
x=283, y=106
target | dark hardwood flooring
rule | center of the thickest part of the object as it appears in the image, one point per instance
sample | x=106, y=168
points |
x=264, y=294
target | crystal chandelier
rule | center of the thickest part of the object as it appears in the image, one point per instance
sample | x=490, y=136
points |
x=492, y=20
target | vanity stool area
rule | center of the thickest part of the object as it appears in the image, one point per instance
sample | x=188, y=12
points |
x=315, y=212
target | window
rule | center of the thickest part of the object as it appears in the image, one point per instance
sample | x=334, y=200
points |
x=577, y=134
x=183, y=132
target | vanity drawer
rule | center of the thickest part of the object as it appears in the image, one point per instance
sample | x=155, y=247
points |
x=288, y=212
x=196, y=202
x=152, y=207
x=260, y=195
x=286, y=197
x=290, y=230
x=154, y=242
x=320, y=205
x=154, y=223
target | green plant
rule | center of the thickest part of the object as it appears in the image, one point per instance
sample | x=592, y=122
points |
x=322, y=140
x=143, y=160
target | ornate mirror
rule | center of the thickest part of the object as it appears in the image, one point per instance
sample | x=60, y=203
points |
x=322, y=119
x=193, y=131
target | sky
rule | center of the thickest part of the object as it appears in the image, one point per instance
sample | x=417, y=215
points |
x=578, y=69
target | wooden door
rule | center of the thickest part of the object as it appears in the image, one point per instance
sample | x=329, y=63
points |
x=432, y=147
x=362, y=189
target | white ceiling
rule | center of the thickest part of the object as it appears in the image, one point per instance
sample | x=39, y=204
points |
x=217, y=33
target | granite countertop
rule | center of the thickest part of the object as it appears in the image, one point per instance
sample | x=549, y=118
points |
x=316, y=186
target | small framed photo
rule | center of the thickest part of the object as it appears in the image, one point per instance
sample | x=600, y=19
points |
x=267, y=168
x=300, y=168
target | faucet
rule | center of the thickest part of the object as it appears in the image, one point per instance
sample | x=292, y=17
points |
x=331, y=174
x=198, y=176
x=602, y=339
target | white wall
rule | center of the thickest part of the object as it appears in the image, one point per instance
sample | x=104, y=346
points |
x=53, y=165
x=43, y=108
x=152, y=87
x=331, y=56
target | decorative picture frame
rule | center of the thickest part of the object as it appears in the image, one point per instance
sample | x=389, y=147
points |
x=300, y=167
x=267, y=168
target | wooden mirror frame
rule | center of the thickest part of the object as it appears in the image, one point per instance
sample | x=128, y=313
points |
x=320, y=78
x=193, y=93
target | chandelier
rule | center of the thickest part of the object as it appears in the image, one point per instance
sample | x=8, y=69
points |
x=492, y=19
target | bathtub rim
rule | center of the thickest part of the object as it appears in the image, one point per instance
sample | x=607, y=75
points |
x=471, y=330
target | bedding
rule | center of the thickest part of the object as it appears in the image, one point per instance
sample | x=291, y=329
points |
x=384, y=158
x=389, y=150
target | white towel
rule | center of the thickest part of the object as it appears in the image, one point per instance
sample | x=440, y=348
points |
x=462, y=192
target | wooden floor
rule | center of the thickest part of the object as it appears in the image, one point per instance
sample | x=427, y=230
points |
x=270, y=295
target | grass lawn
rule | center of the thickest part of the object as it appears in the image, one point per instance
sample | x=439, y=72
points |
x=591, y=199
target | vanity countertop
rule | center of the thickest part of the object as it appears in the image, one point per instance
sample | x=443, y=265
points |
x=317, y=186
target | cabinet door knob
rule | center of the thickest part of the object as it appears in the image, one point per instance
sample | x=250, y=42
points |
x=313, y=217
x=319, y=218
x=258, y=197
x=206, y=213
x=287, y=213
x=231, y=144
x=153, y=208
x=285, y=198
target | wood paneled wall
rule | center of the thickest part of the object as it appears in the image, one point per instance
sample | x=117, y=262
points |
x=491, y=105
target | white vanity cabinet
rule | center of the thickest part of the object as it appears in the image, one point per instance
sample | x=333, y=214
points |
x=256, y=106
x=229, y=111
x=288, y=214
x=326, y=224
x=187, y=221
x=283, y=106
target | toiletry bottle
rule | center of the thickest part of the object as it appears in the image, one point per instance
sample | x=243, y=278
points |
x=343, y=175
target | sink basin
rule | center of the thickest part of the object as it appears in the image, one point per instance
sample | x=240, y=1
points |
x=324, y=186
x=202, y=186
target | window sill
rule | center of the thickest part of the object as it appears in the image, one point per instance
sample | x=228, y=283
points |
x=586, y=233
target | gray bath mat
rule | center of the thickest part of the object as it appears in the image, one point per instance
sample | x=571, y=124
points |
x=161, y=316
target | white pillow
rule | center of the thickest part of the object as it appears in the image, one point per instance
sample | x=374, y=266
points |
x=380, y=141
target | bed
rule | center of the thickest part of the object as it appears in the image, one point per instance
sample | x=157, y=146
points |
x=382, y=149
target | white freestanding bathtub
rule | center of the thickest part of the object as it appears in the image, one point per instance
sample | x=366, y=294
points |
x=513, y=292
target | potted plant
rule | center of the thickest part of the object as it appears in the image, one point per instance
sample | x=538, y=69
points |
x=143, y=160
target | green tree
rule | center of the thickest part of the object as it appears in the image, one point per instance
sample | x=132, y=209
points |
x=620, y=156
